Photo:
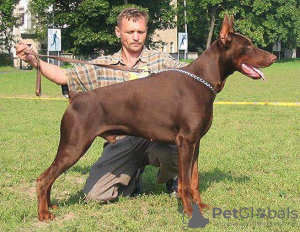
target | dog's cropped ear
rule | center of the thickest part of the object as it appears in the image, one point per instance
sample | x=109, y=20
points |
x=225, y=29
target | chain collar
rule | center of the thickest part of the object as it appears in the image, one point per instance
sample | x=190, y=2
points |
x=206, y=83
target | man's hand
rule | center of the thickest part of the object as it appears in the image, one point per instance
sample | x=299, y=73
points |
x=20, y=47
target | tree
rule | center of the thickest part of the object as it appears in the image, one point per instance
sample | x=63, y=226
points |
x=7, y=23
x=202, y=17
x=265, y=22
x=89, y=24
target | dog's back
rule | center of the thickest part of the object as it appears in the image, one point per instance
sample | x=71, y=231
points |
x=154, y=106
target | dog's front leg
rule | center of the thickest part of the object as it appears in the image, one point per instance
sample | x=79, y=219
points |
x=195, y=181
x=185, y=156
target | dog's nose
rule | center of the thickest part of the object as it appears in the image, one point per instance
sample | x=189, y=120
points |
x=273, y=58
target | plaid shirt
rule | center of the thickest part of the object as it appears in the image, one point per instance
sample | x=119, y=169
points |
x=88, y=77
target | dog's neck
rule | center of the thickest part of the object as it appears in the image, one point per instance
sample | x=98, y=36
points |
x=207, y=66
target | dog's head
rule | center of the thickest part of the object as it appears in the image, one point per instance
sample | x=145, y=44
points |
x=240, y=53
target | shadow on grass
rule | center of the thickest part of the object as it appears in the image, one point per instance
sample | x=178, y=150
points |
x=216, y=176
x=205, y=179
x=150, y=187
x=76, y=198
x=80, y=169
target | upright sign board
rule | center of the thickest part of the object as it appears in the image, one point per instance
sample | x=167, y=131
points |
x=54, y=40
x=182, y=41
x=277, y=48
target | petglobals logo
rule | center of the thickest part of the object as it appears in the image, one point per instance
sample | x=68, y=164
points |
x=258, y=213
x=199, y=221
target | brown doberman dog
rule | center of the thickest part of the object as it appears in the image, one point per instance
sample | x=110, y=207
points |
x=175, y=106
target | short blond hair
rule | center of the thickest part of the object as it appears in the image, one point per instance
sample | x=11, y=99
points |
x=132, y=13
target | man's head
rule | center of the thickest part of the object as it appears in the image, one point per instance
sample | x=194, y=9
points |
x=132, y=29
x=133, y=14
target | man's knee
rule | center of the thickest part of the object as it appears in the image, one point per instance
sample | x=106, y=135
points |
x=164, y=155
x=102, y=196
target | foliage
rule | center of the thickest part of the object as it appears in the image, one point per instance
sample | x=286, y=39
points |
x=7, y=22
x=265, y=22
x=269, y=21
x=89, y=24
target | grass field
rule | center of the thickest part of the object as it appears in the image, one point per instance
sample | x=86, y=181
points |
x=249, y=159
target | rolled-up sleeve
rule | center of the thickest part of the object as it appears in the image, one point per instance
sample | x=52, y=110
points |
x=81, y=78
x=170, y=62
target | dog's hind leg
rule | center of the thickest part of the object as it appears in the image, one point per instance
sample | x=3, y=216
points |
x=74, y=142
x=185, y=155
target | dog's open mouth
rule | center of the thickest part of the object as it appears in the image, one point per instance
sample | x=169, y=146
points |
x=252, y=72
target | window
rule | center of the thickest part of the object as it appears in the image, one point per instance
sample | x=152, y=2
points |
x=172, y=47
x=164, y=47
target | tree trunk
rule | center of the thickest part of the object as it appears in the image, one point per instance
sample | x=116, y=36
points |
x=211, y=28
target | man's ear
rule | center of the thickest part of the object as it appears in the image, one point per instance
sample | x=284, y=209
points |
x=117, y=31
x=225, y=29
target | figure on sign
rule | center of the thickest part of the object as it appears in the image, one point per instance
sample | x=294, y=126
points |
x=55, y=37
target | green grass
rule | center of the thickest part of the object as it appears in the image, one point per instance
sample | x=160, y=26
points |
x=282, y=85
x=249, y=158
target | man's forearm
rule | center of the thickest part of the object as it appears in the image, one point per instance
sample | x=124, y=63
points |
x=52, y=72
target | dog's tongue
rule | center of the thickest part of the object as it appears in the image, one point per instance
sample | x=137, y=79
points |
x=253, y=72
x=260, y=73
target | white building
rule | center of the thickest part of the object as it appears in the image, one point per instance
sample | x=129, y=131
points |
x=24, y=31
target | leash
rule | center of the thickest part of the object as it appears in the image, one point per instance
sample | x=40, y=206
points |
x=206, y=83
x=122, y=68
x=69, y=60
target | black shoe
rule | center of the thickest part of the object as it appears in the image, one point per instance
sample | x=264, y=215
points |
x=137, y=191
x=139, y=185
x=172, y=187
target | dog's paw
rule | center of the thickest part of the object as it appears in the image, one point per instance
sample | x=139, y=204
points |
x=46, y=216
x=54, y=206
x=188, y=211
x=204, y=206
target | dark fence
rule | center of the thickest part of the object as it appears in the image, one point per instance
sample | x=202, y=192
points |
x=6, y=59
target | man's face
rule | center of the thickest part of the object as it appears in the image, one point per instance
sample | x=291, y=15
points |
x=132, y=34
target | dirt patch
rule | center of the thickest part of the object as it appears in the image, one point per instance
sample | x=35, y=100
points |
x=58, y=219
x=23, y=187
